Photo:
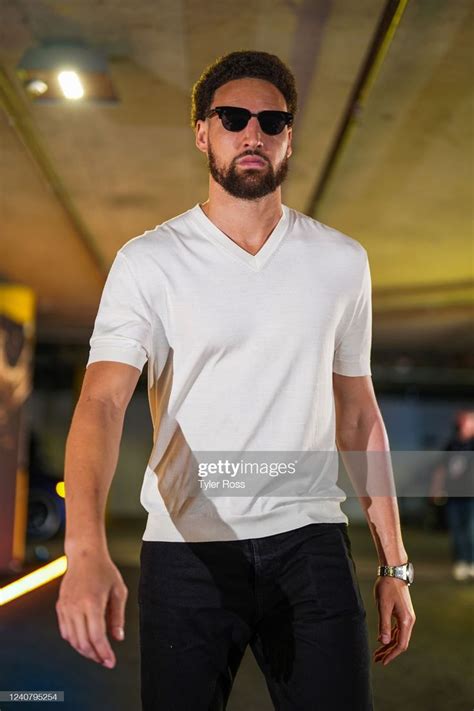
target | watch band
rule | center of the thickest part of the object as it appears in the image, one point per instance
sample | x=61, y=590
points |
x=404, y=571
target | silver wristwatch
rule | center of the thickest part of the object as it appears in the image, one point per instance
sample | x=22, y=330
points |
x=405, y=571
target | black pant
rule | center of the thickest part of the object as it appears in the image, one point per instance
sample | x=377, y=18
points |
x=294, y=597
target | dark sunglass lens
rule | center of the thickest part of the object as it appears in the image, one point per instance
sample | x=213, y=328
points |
x=235, y=119
x=272, y=122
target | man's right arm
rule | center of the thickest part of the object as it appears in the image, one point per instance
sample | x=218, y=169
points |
x=92, y=450
x=92, y=587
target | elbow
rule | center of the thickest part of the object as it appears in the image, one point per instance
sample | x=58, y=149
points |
x=91, y=405
x=363, y=430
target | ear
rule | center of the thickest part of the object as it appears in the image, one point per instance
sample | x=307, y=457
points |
x=289, y=149
x=201, y=135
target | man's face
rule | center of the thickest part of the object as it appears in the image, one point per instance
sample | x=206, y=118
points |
x=226, y=148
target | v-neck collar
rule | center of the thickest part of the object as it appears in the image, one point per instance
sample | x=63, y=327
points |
x=254, y=261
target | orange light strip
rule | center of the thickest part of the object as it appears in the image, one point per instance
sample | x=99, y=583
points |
x=33, y=580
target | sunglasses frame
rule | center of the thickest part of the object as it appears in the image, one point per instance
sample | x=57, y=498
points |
x=287, y=115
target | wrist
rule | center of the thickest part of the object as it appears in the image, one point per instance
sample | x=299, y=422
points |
x=403, y=571
x=85, y=547
x=397, y=559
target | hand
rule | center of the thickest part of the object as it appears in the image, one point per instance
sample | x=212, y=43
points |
x=393, y=598
x=92, y=595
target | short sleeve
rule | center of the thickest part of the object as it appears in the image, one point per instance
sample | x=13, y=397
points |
x=352, y=352
x=122, y=328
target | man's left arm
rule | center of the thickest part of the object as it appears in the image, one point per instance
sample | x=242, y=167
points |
x=362, y=440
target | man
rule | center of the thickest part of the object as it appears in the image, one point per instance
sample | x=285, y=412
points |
x=453, y=478
x=256, y=323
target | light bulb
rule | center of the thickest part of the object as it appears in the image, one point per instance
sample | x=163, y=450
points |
x=71, y=85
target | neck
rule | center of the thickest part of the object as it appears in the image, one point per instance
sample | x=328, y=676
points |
x=249, y=223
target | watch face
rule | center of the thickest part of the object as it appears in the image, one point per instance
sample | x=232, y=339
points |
x=410, y=573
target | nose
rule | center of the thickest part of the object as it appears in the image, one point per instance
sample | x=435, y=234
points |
x=253, y=132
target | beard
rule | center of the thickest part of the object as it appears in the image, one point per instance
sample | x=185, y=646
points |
x=247, y=183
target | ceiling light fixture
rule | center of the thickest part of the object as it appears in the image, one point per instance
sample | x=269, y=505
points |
x=65, y=71
x=71, y=85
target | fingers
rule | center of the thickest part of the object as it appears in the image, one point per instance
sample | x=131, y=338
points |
x=381, y=652
x=384, y=626
x=84, y=629
x=404, y=629
x=393, y=601
x=400, y=639
x=62, y=622
x=82, y=642
x=98, y=637
x=115, y=612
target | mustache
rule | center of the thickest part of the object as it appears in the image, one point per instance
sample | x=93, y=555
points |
x=252, y=155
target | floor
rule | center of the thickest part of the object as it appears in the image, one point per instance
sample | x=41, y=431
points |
x=434, y=674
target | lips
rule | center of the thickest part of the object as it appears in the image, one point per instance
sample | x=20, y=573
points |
x=251, y=161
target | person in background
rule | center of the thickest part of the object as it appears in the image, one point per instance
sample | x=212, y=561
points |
x=453, y=478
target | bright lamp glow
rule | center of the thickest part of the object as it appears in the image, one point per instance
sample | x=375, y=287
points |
x=36, y=87
x=68, y=70
x=33, y=580
x=70, y=85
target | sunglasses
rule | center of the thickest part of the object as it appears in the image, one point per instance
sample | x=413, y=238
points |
x=236, y=119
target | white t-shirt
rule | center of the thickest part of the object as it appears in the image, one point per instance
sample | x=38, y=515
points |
x=241, y=349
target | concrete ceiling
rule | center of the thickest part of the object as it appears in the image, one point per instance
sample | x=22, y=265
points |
x=402, y=184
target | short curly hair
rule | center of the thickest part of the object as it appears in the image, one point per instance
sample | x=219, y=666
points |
x=238, y=65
